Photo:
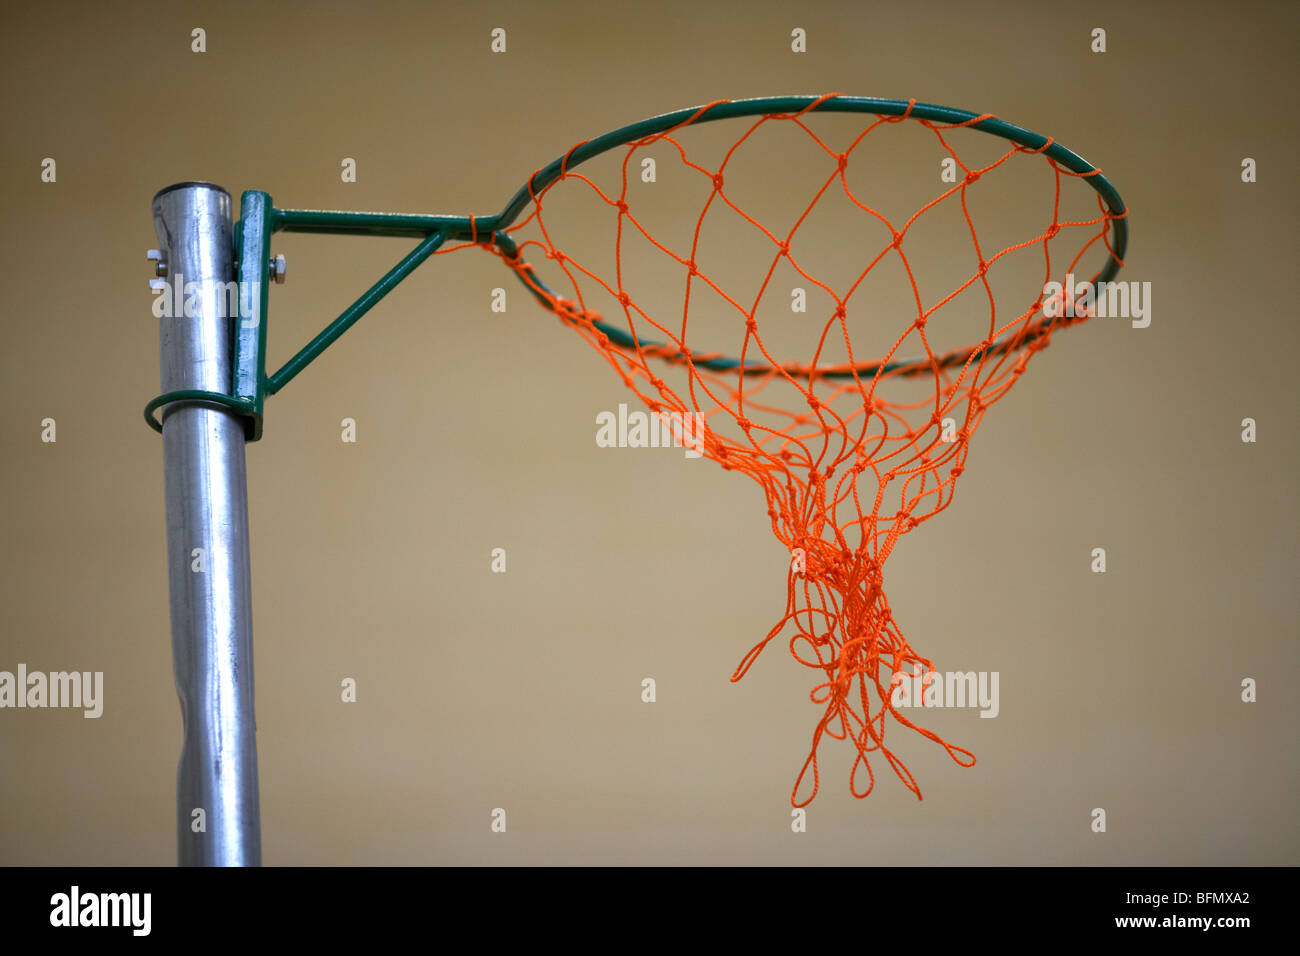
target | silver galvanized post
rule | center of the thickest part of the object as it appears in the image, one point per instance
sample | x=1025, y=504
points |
x=207, y=538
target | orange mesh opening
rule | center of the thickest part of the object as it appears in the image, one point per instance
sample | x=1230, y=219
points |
x=847, y=462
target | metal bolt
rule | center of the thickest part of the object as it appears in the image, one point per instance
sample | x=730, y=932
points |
x=156, y=256
x=277, y=269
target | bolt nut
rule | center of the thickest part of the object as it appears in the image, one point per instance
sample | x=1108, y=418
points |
x=160, y=264
x=277, y=269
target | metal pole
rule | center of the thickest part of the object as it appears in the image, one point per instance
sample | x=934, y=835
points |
x=207, y=538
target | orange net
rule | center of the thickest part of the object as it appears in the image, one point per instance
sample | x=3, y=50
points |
x=846, y=471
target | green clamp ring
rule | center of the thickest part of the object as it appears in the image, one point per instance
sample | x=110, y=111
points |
x=194, y=396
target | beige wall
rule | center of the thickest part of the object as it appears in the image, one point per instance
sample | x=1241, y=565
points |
x=522, y=690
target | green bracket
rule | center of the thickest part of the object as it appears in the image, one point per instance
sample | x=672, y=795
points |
x=257, y=223
x=259, y=220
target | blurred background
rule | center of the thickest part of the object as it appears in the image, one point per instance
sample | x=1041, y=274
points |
x=522, y=690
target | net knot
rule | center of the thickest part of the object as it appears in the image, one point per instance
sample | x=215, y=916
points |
x=971, y=176
x=840, y=312
x=751, y=323
x=957, y=470
x=843, y=161
x=624, y=299
x=717, y=181
x=557, y=255
x=813, y=403
x=920, y=322
x=657, y=383
x=621, y=206
x=984, y=268
x=690, y=266
x=744, y=423
x=898, y=240
x=1052, y=230
x=784, y=247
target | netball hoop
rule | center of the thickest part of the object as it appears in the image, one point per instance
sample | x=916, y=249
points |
x=854, y=416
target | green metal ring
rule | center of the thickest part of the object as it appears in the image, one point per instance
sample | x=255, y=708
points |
x=834, y=104
x=655, y=125
x=195, y=396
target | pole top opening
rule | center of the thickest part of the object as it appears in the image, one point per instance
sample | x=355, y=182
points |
x=192, y=184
